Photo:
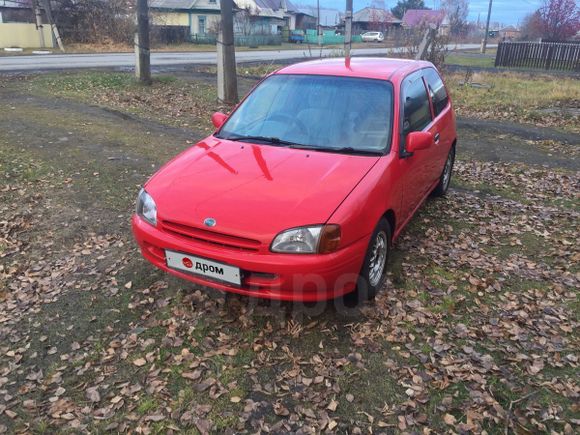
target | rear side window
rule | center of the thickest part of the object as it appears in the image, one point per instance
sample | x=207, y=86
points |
x=437, y=90
x=417, y=113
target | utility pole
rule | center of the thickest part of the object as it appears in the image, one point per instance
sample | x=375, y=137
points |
x=428, y=39
x=348, y=30
x=142, y=49
x=39, y=27
x=226, y=56
x=484, y=43
x=318, y=24
x=55, y=32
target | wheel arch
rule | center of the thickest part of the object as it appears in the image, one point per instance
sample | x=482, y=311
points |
x=389, y=215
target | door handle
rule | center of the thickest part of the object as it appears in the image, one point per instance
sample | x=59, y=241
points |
x=436, y=137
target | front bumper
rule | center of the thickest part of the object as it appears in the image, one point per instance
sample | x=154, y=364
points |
x=290, y=277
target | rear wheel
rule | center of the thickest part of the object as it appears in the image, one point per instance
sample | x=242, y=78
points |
x=374, y=270
x=445, y=178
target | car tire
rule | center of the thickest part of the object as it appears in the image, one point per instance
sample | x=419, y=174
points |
x=374, y=269
x=445, y=178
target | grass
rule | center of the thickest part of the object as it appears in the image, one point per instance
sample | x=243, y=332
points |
x=472, y=61
x=516, y=97
x=147, y=405
x=513, y=89
x=260, y=70
x=178, y=102
x=491, y=52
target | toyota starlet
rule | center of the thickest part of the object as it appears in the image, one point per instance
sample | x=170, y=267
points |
x=302, y=189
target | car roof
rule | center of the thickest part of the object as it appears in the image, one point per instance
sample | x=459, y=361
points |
x=366, y=67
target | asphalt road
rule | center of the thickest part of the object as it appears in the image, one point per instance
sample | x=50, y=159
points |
x=165, y=59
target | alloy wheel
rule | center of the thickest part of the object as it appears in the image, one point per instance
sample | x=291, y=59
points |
x=378, y=258
x=447, y=171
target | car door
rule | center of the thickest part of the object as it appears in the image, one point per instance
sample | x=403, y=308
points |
x=442, y=120
x=416, y=116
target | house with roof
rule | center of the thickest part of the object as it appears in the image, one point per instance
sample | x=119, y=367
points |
x=17, y=28
x=15, y=11
x=370, y=18
x=188, y=18
x=509, y=33
x=420, y=18
x=267, y=17
x=307, y=17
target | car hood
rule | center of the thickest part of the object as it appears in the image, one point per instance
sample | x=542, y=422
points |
x=254, y=191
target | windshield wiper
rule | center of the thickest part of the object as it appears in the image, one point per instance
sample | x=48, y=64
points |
x=294, y=145
x=341, y=150
x=268, y=139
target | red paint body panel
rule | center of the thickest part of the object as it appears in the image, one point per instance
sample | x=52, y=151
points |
x=254, y=187
x=256, y=191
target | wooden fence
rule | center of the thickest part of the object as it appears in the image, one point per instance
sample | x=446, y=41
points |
x=545, y=55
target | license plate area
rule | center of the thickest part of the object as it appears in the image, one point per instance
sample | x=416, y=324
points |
x=203, y=267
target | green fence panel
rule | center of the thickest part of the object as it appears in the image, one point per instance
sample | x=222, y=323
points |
x=257, y=40
x=203, y=39
x=241, y=40
x=328, y=38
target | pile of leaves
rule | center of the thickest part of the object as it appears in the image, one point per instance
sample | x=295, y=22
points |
x=475, y=330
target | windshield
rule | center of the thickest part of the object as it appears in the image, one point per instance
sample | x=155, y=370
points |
x=320, y=112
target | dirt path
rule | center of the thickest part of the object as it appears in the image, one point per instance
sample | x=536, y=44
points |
x=498, y=141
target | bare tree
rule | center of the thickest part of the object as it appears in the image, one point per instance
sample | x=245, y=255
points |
x=436, y=49
x=559, y=19
x=532, y=27
x=457, y=11
x=95, y=21
x=243, y=21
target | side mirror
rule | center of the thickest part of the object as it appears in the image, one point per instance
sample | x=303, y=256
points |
x=218, y=119
x=418, y=140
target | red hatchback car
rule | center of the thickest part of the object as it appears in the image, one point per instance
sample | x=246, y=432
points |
x=302, y=189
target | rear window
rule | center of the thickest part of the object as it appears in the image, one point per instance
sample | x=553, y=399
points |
x=437, y=90
x=417, y=113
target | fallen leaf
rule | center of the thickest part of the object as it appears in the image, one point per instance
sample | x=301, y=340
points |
x=93, y=394
x=332, y=405
x=449, y=419
x=140, y=362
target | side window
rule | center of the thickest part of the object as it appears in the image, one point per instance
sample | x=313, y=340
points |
x=437, y=91
x=417, y=112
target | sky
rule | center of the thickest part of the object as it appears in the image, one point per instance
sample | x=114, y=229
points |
x=503, y=11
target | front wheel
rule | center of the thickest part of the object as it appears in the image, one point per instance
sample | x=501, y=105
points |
x=445, y=177
x=374, y=270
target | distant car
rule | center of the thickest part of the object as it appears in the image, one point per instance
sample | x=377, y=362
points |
x=297, y=37
x=373, y=37
x=301, y=190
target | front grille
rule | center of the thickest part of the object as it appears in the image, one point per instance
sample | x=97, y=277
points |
x=210, y=237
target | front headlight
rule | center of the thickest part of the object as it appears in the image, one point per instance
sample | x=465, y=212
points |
x=320, y=239
x=146, y=207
